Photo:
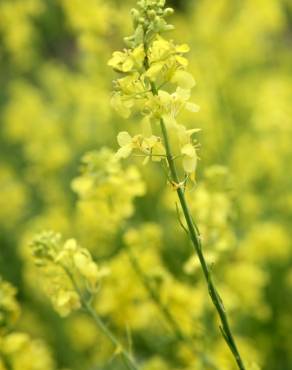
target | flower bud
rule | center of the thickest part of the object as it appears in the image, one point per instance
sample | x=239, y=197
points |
x=168, y=12
x=135, y=13
x=141, y=20
x=151, y=14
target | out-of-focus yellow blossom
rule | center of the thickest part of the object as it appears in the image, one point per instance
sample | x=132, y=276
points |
x=90, y=22
x=106, y=193
x=250, y=353
x=156, y=363
x=18, y=350
x=24, y=353
x=124, y=297
x=82, y=332
x=67, y=269
x=246, y=283
x=9, y=308
x=12, y=189
x=17, y=30
x=267, y=242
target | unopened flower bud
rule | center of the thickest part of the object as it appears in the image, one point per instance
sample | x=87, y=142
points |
x=141, y=20
x=168, y=12
x=151, y=14
x=135, y=13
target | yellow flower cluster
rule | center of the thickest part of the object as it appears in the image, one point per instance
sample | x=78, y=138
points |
x=18, y=351
x=151, y=69
x=17, y=30
x=14, y=190
x=68, y=270
x=9, y=308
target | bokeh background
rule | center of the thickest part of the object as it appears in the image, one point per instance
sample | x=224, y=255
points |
x=54, y=107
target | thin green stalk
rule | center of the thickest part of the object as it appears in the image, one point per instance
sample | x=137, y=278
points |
x=194, y=235
x=127, y=358
x=196, y=241
x=86, y=305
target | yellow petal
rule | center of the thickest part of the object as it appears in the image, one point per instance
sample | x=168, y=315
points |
x=154, y=70
x=190, y=164
x=70, y=244
x=182, y=61
x=183, y=79
x=192, y=107
x=124, y=138
x=184, y=48
x=122, y=107
x=124, y=151
x=188, y=150
x=117, y=58
x=127, y=65
x=183, y=94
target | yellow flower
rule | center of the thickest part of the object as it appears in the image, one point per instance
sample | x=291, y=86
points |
x=172, y=104
x=70, y=273
x=126, y=144
x=165, y=58
x=183, y=79
x=121, y=62
x=15, y=342
x=190, y=158
x=66, y=302
x=87, y=268
x=128, y=60
x=122, y=105
x=9, y=308
x=152, y=146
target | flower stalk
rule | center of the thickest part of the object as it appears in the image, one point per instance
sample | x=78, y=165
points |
x=196, y=241
x=87, y=307
x=151, y=61
x=76, y=281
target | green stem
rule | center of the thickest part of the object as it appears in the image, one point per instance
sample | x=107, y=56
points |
x=196, y=241
x=126, y=357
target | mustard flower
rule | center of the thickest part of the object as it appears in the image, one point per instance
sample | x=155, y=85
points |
x=67, y=268
x=9, y=308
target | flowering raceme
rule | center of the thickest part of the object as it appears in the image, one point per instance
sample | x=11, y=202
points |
x=68, y=270
x=152, y=61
